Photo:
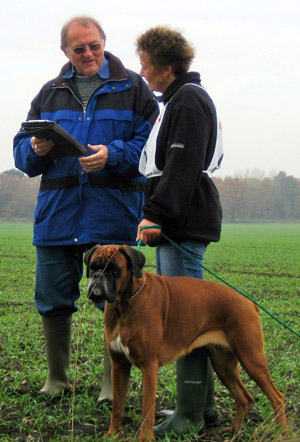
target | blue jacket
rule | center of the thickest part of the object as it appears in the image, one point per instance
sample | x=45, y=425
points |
x=104, y=207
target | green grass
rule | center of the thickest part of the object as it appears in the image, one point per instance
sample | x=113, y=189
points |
x=260, y=260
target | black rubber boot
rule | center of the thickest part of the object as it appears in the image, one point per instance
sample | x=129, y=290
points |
x=57, y=332
x=210, y=413
x=192, y=373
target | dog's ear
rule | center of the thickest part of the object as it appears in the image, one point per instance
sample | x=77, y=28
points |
x=87, y=258
x=135, y=258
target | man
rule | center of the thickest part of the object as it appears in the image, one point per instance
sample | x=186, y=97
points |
x=94, y=199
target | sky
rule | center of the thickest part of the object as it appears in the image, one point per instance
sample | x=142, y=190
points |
x=247, y=52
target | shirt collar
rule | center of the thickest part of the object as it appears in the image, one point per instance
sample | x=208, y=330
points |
x=103, y=72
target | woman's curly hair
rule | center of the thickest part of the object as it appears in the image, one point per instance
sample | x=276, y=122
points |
x=166, y=47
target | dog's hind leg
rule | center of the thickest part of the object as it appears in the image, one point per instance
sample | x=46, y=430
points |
x=226, y=366
x=120, y=378
x=255, y=365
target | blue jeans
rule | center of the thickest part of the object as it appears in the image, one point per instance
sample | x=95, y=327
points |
x=172, y=262
x=58, y=273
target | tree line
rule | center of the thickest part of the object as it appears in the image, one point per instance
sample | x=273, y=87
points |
x=253, y=199
x=244, y=199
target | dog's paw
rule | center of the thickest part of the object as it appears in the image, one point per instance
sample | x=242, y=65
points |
x=146, y=436
x=102, y=402
x=109, y=436
x=146, y=439
x=227, y=430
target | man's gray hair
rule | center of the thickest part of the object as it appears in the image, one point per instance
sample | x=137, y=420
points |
x=83, y=21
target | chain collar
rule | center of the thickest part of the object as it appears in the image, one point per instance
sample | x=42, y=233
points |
x=133, y=295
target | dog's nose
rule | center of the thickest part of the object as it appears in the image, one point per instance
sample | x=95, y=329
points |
x=94, y=290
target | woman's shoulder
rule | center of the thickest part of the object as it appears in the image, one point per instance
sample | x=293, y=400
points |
x=192, y=95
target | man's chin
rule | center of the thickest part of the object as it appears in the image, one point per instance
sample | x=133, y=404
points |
x=89, y=70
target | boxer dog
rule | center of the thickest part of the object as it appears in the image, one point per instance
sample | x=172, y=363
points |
x=153, y=320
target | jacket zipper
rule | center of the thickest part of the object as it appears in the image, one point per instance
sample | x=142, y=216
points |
x=84, y=107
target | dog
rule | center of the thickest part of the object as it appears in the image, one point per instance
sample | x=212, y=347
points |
x=142, y=312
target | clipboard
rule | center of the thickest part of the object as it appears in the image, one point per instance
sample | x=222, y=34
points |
x=64, y=144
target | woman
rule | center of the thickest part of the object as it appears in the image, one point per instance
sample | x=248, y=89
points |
x=177, y=160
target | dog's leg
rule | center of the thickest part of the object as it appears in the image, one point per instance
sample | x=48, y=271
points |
x=120, y=378
x=249, y=349
x=255, y=365
x=150, y=373
x=106, y=390
x=226, y=366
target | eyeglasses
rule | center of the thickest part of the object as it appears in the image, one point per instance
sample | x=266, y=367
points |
x=94, y=47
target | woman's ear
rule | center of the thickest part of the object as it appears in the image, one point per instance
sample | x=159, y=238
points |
x=167, y=71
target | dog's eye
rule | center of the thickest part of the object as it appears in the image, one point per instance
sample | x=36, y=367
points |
x=113, y=269
x=94, y=267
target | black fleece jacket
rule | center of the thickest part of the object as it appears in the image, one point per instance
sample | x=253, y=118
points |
x=184, y=199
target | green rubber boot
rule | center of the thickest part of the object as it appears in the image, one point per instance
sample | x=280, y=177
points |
x=57, y=332
x=192, y=372
x=106, y=394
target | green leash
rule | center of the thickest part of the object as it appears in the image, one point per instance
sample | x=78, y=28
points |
x=157, y=226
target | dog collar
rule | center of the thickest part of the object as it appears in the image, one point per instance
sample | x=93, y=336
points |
x=133, y=295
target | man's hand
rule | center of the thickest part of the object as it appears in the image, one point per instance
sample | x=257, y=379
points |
x=97, y=161
x=147, y=235
x=41, y=146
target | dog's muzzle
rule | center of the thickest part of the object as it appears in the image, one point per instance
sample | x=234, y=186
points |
x=101, y=287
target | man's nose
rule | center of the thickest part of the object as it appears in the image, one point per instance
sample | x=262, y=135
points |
x=88, y=51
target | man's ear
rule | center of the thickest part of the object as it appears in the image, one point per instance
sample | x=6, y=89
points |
x=135, y=259
x=65, y=51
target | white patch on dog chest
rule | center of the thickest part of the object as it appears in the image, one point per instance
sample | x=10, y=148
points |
x=118, y=347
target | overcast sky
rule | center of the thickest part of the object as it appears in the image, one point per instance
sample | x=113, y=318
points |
x=248, y=54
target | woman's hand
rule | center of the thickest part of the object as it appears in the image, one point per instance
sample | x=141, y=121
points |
x=147, y=235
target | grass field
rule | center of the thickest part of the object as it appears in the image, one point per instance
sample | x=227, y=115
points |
x=260, y=260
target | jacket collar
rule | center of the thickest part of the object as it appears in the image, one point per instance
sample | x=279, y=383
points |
x=103, y=72
x=188, y=77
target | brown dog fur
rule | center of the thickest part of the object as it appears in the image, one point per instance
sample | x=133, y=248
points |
x=169, y=318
